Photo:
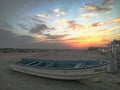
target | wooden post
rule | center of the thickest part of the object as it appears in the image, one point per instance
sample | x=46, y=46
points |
x=112, y=58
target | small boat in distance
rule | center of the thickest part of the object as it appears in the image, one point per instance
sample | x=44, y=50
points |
x=61, y=69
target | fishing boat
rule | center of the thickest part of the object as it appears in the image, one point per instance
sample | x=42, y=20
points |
x=61, y=69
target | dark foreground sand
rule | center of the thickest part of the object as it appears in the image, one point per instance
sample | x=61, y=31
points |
x=11, y=80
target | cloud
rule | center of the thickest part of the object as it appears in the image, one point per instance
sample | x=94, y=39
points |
x=94, y=8
x=49, y=14
x=6, y=25
x=8, y=39
x=4, y=33
x=37, y=19
x=44, y=15
x=51, y=38
x=22, y=26
x=55, y=37
x=87, y=15
x=110, y=31
x=74, y=26
x=107, y=2
x=96, y=24
x=116, y=20
x=90, y=7
x=104, y=7
x=59, y=12
x=38, y=28
x=87, y=41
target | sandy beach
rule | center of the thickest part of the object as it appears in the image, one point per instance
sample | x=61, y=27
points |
x=11, y=80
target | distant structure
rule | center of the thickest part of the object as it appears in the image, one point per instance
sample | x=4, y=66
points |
x=113, y=48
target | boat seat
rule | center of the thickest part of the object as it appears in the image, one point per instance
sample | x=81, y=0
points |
x=79, y=65
x=51, y=64
x=101, y=62
x=38, y=63
x=84, y=64
x=31, y=63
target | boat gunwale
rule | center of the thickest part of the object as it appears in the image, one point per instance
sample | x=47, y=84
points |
x=50, y=68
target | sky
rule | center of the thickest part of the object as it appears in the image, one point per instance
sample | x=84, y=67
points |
x=58, y=24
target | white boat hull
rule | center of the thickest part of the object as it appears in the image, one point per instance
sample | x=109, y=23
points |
x=66, y=74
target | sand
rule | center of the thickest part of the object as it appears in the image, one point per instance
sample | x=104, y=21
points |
x=11, y=80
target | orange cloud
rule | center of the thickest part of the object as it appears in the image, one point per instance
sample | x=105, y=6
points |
x=85, y=42
x=90, y=7
x=72, y=25
x=116, y=20
x=87, y=15
x=104, y=7
x=94, y=8
x=76, y=26
x=118, y=36
x=96, y=24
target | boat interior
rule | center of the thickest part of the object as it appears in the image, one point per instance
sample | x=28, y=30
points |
x=60, y=64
